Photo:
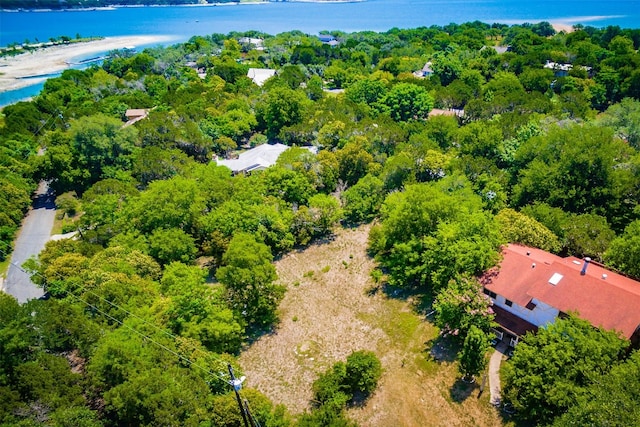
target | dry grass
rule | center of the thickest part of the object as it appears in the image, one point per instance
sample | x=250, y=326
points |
x=330, y=311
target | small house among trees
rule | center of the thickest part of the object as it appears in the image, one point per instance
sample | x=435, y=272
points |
x=258, y=158
x=531, y=288
x=260, y=75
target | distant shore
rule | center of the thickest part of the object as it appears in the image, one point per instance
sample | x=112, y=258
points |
x=36, y=66
x=230, y=3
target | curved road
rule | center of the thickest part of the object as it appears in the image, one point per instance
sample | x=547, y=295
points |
x=32, y=236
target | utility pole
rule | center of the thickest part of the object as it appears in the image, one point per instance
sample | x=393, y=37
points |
x=237, y=385
x=252, y=420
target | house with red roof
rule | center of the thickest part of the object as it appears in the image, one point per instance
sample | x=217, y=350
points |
x=531, y=288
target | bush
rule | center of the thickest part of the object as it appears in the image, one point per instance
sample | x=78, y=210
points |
x=363, y=372
x=337, y=387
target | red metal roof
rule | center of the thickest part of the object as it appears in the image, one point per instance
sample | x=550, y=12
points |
x=608, y=302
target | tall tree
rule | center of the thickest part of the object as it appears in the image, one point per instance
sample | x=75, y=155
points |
x=248, y=276
x=472, y=357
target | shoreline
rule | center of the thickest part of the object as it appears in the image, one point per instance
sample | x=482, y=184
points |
x=29, y=68
x=127, y=6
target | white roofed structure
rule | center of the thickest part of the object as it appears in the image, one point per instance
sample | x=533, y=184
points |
x=258, y=158
x=260, y=75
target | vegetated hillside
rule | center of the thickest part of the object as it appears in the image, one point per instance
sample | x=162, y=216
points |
x=173, y=271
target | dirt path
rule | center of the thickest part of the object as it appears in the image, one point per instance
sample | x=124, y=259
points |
x=329, y=311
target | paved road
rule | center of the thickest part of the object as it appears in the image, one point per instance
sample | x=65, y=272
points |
x=32, y=236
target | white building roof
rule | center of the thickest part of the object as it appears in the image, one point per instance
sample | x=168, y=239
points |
x=258, y=158
x=260, y=75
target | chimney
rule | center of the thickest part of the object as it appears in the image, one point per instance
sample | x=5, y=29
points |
x=587, y=260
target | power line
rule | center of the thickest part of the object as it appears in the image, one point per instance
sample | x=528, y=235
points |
x=183, y=358
x=247, y=416
x=84, y=289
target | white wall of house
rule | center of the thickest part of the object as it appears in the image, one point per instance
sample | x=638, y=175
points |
x=541, y=315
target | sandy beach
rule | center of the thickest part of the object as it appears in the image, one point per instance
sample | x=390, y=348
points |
x=561, y=26
x=54, y=59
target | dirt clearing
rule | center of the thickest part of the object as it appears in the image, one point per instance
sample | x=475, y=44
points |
x=330, y=310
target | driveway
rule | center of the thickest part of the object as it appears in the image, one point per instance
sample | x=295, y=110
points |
x=32, y=236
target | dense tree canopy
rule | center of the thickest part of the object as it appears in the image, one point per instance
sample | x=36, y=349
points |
x=176, y=250
x=553, y=369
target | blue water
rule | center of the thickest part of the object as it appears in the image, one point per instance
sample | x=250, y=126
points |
x=273, y=18
x=311, y=18
x=14, y=96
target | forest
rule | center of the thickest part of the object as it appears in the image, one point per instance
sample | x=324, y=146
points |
x=451, y=141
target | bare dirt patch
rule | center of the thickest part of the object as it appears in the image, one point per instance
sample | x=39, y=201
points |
x=328, y=312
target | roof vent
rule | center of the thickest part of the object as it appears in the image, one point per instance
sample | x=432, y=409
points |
x=587, y=260
x=528, y=253
x=555, y=279
x=604, y=276
x=533, y=265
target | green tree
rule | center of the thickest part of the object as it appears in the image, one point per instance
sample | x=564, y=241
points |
x=363, y=370
x=353, y=161
x=433, y=232
x=406, y=101
x=610, y=401
x=363, y=200
x=472, y=356
x=588, y=235
x=197, y=311
x=624, y=118
x=553, y=369
x=291, y=186
x=281, y=107
x=172, y=203
x=624, y=251
x=326, y=213
x=517, y=227
x=462, y=305
x=158, y=396
x=173, y=244
x=225, y=410
x=101, y=144
x=367, y=91
x=248, y=276
x=68, y=203
x=575, y=169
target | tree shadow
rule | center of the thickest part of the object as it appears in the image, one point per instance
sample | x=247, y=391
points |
x=509, y=416
x=461, y=390
x=44, y=201
x=256, y=333
x=442, y=348
x=359, y=399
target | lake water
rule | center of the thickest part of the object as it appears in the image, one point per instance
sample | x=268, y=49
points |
x=273, y=18
x=182, y=22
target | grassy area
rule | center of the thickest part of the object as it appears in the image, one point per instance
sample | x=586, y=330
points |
x=4, y=266
x=332, y=308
